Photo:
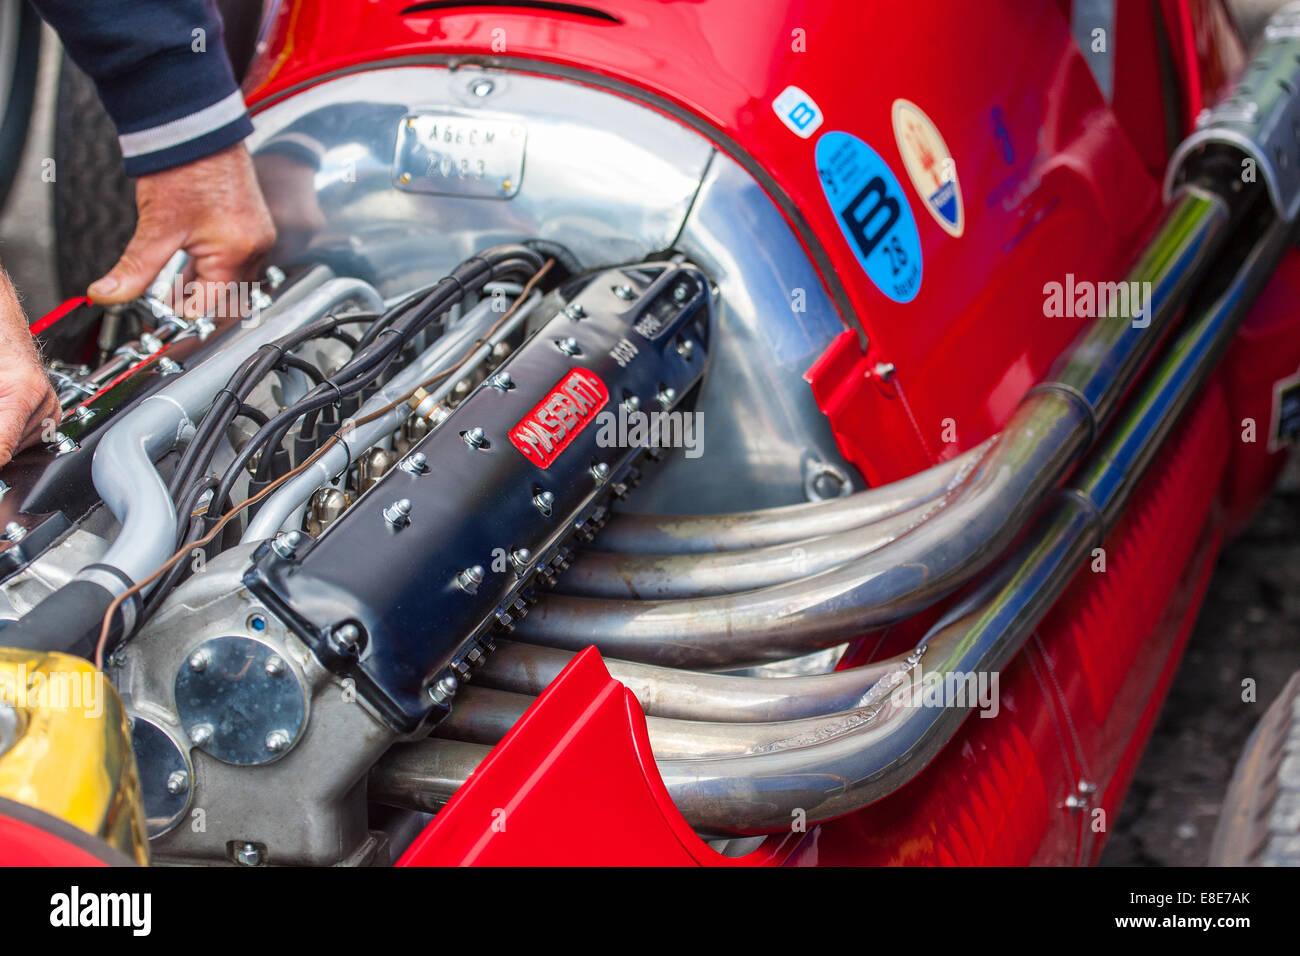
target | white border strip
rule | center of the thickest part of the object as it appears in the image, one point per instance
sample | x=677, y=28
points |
x=183, y=130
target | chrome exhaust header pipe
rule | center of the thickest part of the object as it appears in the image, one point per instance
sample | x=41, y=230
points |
x=1053, y=425
x=693, y=695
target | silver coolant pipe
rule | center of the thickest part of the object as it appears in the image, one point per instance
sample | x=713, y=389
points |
x=281, y=507
x=1053, y=425
x=123, y=469
x=838, y=763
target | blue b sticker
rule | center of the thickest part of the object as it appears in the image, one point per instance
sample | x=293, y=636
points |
x=873, y=213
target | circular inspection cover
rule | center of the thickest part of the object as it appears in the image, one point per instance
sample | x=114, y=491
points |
x=239, y=701
x=166, y=779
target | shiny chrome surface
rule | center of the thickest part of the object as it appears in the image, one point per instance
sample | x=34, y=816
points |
x=660, y=534
x=657, y=576
x=610, y=180
x=774, y=320
x=692, y=695
x=854, y=768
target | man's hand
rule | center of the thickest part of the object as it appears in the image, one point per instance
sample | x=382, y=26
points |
x=27, y=400
x=213, y=210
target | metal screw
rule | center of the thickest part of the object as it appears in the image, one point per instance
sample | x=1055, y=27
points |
x=150, y=343
x=275, y=276
x=275, y=666
x=545, y=501
x=178, y=782
x=286, y=544
x=415, y=463
x=475, y=437
x=444, y=689
x=346, y=637
x=276, y=741
x=625, y=292
x=885, y=370
x=469, y=579
x=600, y=471
x=61, y=444
x=667, y=395
x=520, y=557
x=686, y=348
x=169, y=367
x=398, y=514
x=482, y=87
x=260, y=300
x=502, y=381
x=201, y=734
x=200, y=660
x=631, y=403
x=81, y=413
x=248, y=855
x=569, y=346
x=14, y=532
x=575, y=312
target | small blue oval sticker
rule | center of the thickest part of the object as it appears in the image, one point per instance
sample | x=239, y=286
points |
x=873, y=213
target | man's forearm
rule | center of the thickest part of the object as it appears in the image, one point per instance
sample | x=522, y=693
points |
x=162, y=72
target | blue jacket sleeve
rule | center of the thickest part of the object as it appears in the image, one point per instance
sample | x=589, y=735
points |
x=161, y=70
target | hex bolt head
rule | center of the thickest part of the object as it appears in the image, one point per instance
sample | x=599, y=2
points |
x=469, y=579
x=275, y=666
x=502, y=381
x=286, y=544
x=568, y=345
x=475, y=437
x=398, y=514
x=544, y=501
x=600, y=471
x=275, y=276
x=178, y=782
x=686, y=348
x=346, y=637
x=667, y=396
x=200, y=660
x=248, y=855
x=277, y=741
x=444, y=690
x=416, y=463
x=200, y=734
x=575, y=311
x=631, y=403
x=625, y=292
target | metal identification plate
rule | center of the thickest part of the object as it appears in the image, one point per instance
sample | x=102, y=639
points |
x=448, y=154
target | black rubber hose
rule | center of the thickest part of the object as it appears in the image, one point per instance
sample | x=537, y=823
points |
x=67, y=621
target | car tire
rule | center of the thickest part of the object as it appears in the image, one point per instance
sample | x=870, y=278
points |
x=1259, y=824
x=20, y=51
x=94, y=201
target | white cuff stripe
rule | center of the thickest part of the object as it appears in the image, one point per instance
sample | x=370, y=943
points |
x=153, y=140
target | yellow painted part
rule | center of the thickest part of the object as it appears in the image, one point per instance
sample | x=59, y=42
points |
x=72, y=758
